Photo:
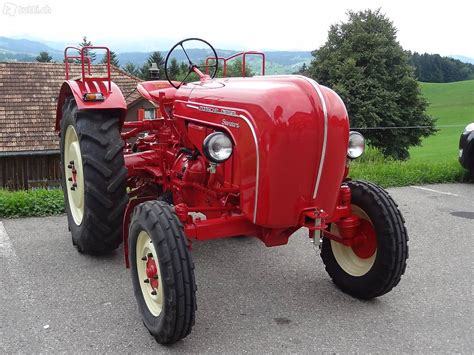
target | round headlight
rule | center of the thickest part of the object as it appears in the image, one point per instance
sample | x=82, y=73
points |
x=356, y=145
x=217, y=147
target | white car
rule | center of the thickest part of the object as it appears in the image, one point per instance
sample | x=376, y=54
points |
x=466, y=148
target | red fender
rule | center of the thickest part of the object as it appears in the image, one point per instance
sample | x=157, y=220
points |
x=113, y=99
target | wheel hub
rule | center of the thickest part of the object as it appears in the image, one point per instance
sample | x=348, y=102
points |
x=365, y=243
x=74, y=174
x=149, y=275
x=152, y=272
x=358, y=258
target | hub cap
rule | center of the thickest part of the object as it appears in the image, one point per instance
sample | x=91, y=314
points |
x=149, y=275
x=74, y=175
x=358, y=259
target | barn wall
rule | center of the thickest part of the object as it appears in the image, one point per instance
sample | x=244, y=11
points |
x=26, y=172
x=19, y=172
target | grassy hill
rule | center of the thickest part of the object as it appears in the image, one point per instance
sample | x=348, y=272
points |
x=436, y=160
x=451, y=104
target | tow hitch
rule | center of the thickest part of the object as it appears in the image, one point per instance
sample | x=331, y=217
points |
x=315, y=221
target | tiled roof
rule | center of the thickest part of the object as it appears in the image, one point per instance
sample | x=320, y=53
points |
x=28, y=94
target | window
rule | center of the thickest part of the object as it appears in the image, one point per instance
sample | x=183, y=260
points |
x=150, y=114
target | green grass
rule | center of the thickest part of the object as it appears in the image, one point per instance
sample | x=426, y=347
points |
x=450, y=104
x=32, y=203
x=388, y=173
x=436, y=160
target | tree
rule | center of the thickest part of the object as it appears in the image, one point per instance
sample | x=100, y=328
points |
x=303, y=70
x=436, y=69
x=173, y=70
x=183, y=68
x=131, y=69
x=144, y=72
x=157, y=58
x=363, y=62
x=234, y=69
x=44, y=57
x=113, y=59
x=87, y=52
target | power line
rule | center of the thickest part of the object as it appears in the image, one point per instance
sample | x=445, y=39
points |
x=406, y=127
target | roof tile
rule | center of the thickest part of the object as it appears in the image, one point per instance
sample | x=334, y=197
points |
x=28, y=96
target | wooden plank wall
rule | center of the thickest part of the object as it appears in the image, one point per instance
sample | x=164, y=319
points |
x=25, y=172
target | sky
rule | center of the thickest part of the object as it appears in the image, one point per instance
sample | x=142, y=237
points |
x=443, y=27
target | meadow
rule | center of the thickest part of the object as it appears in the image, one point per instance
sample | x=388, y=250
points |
x=436, y=159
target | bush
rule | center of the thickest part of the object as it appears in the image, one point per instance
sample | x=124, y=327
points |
x=32, y=203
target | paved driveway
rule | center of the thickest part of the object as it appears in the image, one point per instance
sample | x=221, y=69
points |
x=250, y=298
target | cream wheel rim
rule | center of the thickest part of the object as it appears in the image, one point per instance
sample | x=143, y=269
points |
x=74, y=175
x=149, y=274
x=345, y=256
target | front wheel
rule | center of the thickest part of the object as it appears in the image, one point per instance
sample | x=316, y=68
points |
x=162, y=272
x=372, y=268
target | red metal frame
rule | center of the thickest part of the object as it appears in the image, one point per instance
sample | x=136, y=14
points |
x=170, y=156
x=85, y=59
x=254, y=192
x=240, y=54
x=87, y=84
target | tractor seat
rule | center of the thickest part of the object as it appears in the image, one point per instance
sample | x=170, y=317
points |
x=158, y=91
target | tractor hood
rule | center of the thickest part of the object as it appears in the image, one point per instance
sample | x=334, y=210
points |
x=290, y=136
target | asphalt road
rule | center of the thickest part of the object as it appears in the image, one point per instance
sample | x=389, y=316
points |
x=250, y=298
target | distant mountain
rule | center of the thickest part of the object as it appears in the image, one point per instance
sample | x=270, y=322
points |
x=463, y=58
x=24, y=50
x=23, y=46
x=7, y=56
x=277, y=62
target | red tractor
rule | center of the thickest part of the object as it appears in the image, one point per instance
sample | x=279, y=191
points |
x=260, y=156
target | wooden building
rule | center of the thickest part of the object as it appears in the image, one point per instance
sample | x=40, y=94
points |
x=29, y=146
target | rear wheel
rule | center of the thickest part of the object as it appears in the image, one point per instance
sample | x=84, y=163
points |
x=94, y=177
x=375, y=265
x=162, y=272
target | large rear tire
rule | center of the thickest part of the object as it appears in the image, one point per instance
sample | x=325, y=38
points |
x=94, y=177
x=372, y=268
x=162, y=272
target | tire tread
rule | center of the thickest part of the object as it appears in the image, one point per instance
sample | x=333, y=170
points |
x=105, y=178
x=177, y=269
x=395, y=244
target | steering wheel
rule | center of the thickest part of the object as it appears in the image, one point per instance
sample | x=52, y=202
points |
x=192, y=68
